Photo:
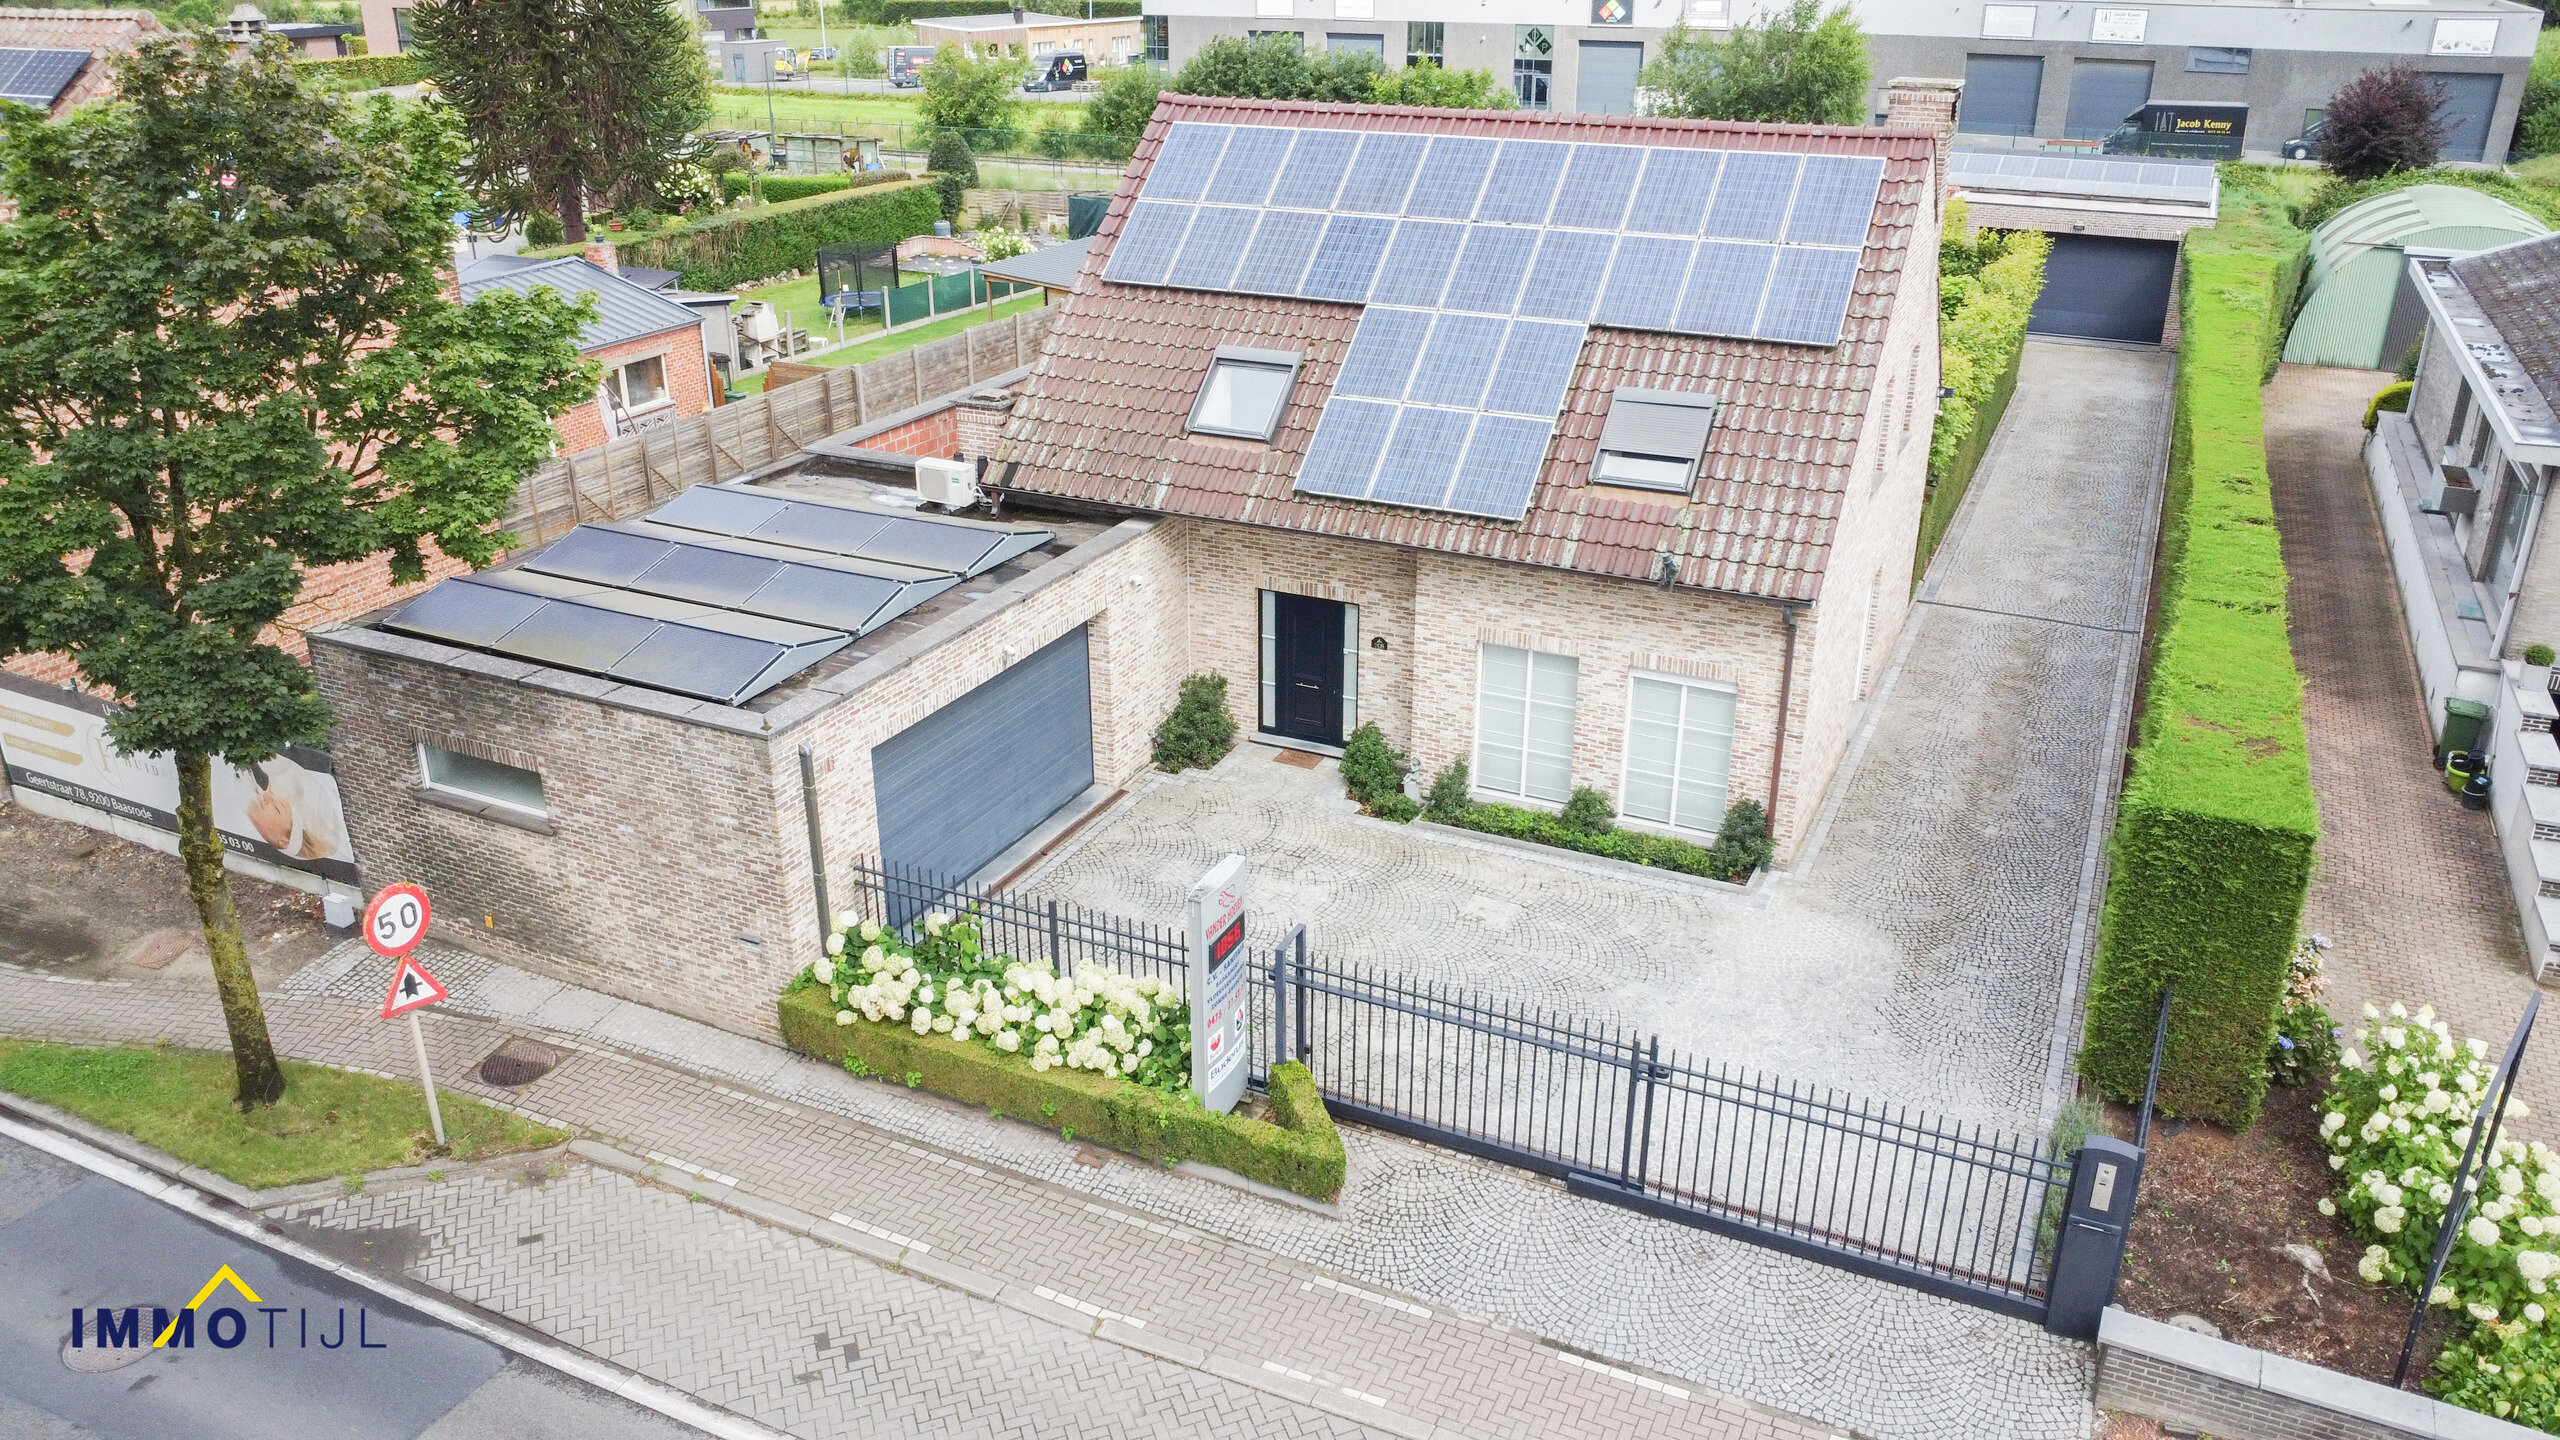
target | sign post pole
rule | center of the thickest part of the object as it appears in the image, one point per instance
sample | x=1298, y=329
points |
x=393, y=925
x=1219, y=995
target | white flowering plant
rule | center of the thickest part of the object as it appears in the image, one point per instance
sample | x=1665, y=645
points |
x=2395, y=1128
x=999, y=243
x=947, y=981
x=685, y=187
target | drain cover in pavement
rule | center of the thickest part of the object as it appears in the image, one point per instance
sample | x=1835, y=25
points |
x=518, y=1062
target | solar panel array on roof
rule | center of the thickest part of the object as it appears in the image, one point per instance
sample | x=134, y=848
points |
x=2101, y=177
x=698, y=650
x=854, y=596
x=1605, y=234
x=958, y=546
x=38, y=77
x=1481, y=263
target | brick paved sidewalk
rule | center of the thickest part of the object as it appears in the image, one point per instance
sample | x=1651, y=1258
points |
x=2410, y=886
x=1431, y=1292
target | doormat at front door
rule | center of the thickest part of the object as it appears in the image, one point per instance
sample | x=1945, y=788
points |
x=1303, y=759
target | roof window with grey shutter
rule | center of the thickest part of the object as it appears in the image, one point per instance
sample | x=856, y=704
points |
x=1653, y=439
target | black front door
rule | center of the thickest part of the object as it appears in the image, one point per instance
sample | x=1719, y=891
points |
x=1307, y=654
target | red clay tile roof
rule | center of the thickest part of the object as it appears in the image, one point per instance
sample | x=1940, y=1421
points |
x=1102, y=415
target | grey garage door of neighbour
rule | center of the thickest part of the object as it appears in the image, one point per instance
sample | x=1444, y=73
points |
x=2000, y=94
x=957, y=787
x=2469, y=101
x=1606, y=83
x=2100, y=287
x=2103, y=93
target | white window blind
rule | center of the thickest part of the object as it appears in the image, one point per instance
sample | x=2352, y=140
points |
x=1524, y=723
x=1679, y=753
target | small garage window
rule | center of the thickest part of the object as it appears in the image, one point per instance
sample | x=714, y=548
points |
x=1654, y=439
x=2217, y=60
x=469, y=777
x=1246, y=393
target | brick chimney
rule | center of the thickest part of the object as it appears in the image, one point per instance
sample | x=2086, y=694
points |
x=602, y=255
x=1930, y=105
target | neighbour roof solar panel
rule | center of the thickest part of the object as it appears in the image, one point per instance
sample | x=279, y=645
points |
x=1644, y=282
x=1491, y=268
x=1835, y=200
x=1149, y=240
x=1381, y=173
x=1450, y=178
x=1597, y=185
x=1537, y=363
x=1277, y=259
x=1724, y=289
x=960, y=547
x=1347, y=258
x=1523, y=183
x=1215, y=245
x=1564, y=281
x=38, y=77
x=1500, y=468
x=1808, y=295
x=1671, y=197
x=1752, y=195
x=1417, y=266
x=1383, y=351
x=1458, y=360
x=1186, y=161
x=1316, y=166
x=1344, y=453
x=1420, y=456
x=1252, y=161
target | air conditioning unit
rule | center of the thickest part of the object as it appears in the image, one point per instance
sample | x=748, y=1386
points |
x=951, y=484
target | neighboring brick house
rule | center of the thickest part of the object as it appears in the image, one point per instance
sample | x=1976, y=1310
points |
x=635, y=729
x=1676, y=604
x=103, y=34
x=657, y=363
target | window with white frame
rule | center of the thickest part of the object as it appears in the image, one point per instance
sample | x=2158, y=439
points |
x=1524, y=723
x=640, y=385
x=1679, y=752
x=1245, y=393
x=469, y=777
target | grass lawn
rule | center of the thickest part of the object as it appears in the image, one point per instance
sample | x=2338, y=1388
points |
x=904, y=339
x=330, y=1122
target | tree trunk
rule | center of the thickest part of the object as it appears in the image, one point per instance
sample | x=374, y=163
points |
x=253, y=1055
x=573, y=211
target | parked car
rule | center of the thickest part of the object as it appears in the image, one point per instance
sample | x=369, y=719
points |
x=906, y=65
x=825, y=52
x=1063, y=70
x=2307, y=144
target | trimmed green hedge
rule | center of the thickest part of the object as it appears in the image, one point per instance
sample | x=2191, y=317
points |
x=720, y=252
x=363, y=72
x=1301, y=1152
x=1990, y=282
x=2215, y=831
x=905, y=12
x=778, y=188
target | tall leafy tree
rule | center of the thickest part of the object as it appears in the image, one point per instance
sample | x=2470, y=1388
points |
x=2383, y=120
x=565, y=99
x=226, y=353
x=1280, y=67
x=979, y=96
x=1800, y=65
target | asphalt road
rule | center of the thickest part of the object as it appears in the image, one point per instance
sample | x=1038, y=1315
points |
x=72, y=1239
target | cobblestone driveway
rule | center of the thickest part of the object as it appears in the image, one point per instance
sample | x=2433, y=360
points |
x=1923, y=949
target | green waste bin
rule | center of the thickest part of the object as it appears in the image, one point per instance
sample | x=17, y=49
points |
x=2462, y=721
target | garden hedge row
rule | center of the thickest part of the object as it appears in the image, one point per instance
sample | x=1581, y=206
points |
x=904, y=12
x=1980, y=349
x=2214, y=833
x=721, y=252
x=778, y=188
x=1301, y=1152
x=363, y=72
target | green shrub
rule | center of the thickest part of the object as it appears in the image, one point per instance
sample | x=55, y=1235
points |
x=2305, y=1049
x=2511, y=1371
x=1374, y=774
x=728, y=250
x=1448, y=798
x=778, y=188
x=1198, y=732
x=543, y=228
x=360, y=72
x=1742, y=841
x=903, y=12
x=2538, y=653
x=1589, y=811
x=949, y=155
x=2214, y=834
x=1301, y=1151
x=1988, y=285
x=2393, y=397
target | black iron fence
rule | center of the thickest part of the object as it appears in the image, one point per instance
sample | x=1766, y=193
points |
x=1961, y=1210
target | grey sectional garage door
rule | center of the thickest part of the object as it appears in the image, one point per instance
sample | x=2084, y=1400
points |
x=2099, y=287
x=2000, y=94
x=2469, y=103
x=957, y=787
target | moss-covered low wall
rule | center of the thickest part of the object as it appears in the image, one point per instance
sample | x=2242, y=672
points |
x=1301, y=1152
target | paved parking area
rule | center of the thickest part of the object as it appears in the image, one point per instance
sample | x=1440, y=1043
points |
x=1927, y=948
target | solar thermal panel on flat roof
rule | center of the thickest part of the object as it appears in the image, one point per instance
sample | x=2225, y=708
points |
x=473, y=615
x=960, y=547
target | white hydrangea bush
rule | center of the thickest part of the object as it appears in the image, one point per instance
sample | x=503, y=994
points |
x=947, y=982
x=2395, y=1128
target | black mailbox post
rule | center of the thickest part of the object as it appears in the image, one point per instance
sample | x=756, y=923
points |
x=2090, y=1251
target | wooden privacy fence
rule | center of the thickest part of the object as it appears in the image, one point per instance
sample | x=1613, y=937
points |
x=625, y=476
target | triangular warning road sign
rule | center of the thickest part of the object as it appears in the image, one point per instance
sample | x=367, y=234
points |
x=411, y=987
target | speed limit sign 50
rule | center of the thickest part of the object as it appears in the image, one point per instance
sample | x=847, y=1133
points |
x=396, y=920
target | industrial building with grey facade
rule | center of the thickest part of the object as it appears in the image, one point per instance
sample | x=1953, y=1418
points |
x=2049, y=75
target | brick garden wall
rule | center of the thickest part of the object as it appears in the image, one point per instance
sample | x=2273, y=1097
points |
x=2192, y=1381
